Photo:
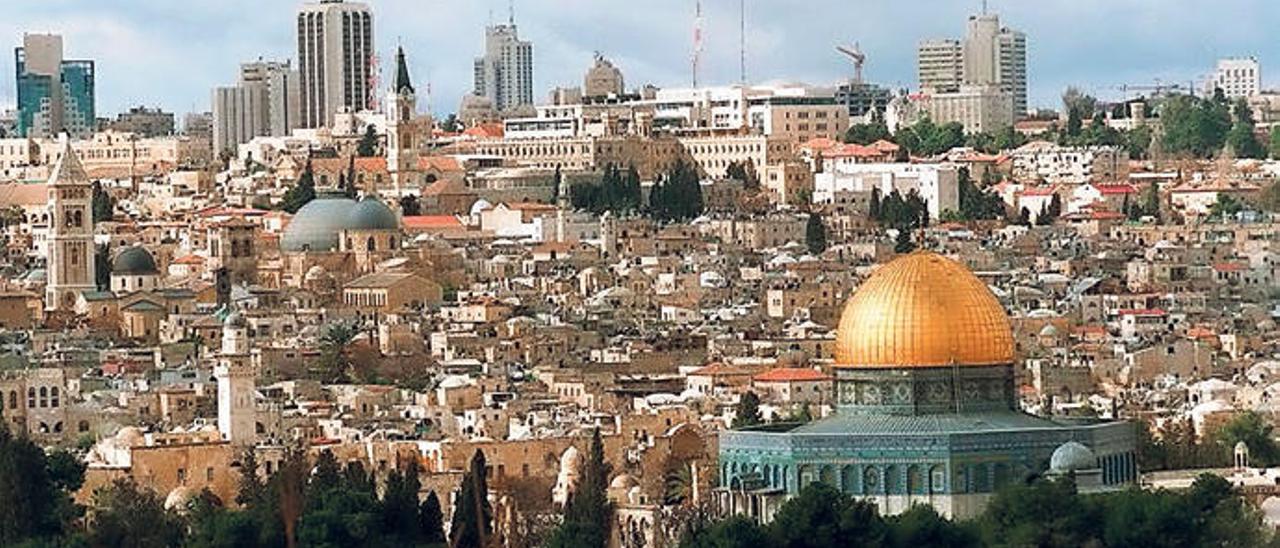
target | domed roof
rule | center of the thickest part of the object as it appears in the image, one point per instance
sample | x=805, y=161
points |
x=571, y=459
x=234, y=319
x=315, y=227
x=372, y=214
x=1072, y=456
x=623, y=481
x=134, y=261
x=923, y=310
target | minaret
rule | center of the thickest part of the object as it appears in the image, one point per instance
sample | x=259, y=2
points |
x=236, y=407
x=401, y=107
x=70, y=261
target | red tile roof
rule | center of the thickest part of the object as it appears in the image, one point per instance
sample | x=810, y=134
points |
x=1142, y=312
x=421, y=222
x=792, y=374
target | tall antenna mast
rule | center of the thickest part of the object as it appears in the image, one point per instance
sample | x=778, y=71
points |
x=742, y=40
x=511, y=12
x=697, y=39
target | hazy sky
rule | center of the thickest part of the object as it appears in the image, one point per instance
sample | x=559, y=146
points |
x=172, y=52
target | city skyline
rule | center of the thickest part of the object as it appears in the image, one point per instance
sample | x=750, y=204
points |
x=202, y=43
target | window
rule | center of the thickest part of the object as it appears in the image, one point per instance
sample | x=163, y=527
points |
x=44, y=397
x=31, y=397
x=53, y=397
x=208, y=474
x=182, y=475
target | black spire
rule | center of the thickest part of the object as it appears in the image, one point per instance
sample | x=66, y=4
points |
x=402, y=82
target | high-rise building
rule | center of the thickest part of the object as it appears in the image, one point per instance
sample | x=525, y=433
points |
x=504, y=73
x=1237, y=77
x=264, y=102
x=284, y=91
x=989, y=55
x=335, y=59
x=940, y=64
x=71, y=254
x=54, y=94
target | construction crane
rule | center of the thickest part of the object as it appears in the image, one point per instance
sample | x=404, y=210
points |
x=1156, y=89
x=859, y=59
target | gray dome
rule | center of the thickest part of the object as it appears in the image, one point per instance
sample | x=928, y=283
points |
x=1072, y=456
x=315, y=227
x=372, y=214
x=134, y=261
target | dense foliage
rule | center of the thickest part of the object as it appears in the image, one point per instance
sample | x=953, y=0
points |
x=1040, y=513
x=678, y=195
x=618, y=192
x=815, y=234
x=301, y=193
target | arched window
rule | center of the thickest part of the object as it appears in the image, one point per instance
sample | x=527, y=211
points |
x=44, y=397
x=53, y=397
x=31, y=398
x=13, y=399
x=370, y=244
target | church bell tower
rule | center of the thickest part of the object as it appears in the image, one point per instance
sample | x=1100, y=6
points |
x=402, y=126
x=71, y=255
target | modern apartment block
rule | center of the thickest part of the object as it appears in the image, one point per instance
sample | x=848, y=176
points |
x=988, y=56
x=1237, y=77
x=504, y=74
x=265, y=102
x=335, y=59
x=54, y=94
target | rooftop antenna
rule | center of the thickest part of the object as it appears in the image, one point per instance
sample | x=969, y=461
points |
x=742, y=39
x=697, y=40
x=984, y=7
x=511, y=12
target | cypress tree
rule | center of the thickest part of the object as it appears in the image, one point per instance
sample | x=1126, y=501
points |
x=748, y=411
x=400, y=505
x=472, y=515
x=815, y=234
x=587, y=518
x=302, y=192
x=432, y=520
x=251, y=488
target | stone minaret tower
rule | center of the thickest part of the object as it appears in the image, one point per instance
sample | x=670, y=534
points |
x=70, y=262
x=236, y=407
x=401, y=113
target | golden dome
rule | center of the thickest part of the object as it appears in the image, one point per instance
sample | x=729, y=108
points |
x=923, y=310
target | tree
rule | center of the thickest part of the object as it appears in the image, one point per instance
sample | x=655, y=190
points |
x=678, y=196
x=302, y=193
x=251, y=489
x=400, y=505
x=735, y=532
x=588, y=514
x=1225, y=207
x=451, y=124
x=1040, y=513
x=903, y=243
x=431, y=520
x=922, y=526
x=1194, y=126
x=748, y=411
x=472, y=515
x=410, y=206
x=815, y=234
x=349, y=187
x=1243, y=138
x=976, y=203
x=125, y=514
x=822, y=516
x=1256, y=433
x=865, y=134
x=335, y=362
x=31, y=504
x=368, y=145
x=1270, y=198
x=103, y=204
x=1274, y=142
